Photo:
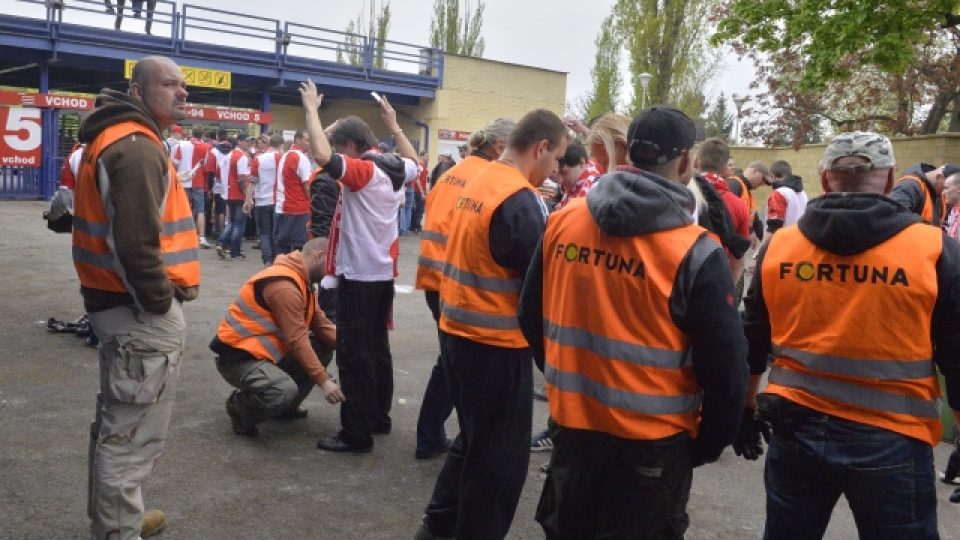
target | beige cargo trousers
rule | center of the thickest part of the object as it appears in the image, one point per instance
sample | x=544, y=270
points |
x=139, y=367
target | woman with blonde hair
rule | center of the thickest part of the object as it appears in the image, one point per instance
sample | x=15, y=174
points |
x=608, y=141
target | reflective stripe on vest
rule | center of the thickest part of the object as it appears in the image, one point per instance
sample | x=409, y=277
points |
x=635, y=402
x=438, y=215
x=251, y=327
x=93, y=249
x=478, y=296
x=615, y=360
x=832, y=343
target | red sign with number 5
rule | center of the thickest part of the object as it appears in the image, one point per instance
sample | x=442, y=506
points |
x=21, y=132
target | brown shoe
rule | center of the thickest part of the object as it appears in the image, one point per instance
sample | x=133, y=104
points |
x=153, y=522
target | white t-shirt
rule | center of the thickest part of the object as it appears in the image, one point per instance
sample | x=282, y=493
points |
x=264, y=167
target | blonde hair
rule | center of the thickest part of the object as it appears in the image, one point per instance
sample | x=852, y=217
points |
x=607, y=130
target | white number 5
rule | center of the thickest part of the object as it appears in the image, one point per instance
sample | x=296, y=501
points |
x=18, y=121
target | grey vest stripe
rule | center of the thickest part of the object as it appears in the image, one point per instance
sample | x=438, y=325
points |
x=93, y=229
x=493, y=284
x=434, y=236
x=473, y=318
x=621, y=399
x=243, y=332
x=885, y=370
x=614, y=348
x=430, y=263
x=266, y=323
x=170, y=229
x=180, y=257
x=91, y=258
x=856, y=394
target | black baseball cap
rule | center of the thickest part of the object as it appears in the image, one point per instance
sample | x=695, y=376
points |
x=657, y=135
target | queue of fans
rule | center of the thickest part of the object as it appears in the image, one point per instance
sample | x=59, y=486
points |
x=611, y=256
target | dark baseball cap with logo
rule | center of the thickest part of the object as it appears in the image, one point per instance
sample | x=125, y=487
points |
x=657, y=135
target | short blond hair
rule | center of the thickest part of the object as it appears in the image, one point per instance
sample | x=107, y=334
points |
x=607, y=130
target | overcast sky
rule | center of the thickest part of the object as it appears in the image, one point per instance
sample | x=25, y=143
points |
x=551, y=34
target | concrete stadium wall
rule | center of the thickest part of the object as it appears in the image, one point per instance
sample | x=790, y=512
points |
x=936, y=149
x=475, y=91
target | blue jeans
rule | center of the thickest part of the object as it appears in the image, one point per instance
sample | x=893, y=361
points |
x=265, y=231
x=406, y=212
x=887, y=478
x=233, y=233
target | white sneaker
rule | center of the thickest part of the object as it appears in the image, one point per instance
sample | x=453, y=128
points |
x=204, y=244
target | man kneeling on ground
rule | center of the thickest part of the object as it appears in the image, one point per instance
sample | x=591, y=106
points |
x=262, y=345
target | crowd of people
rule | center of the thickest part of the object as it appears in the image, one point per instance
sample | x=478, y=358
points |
x=612, y=255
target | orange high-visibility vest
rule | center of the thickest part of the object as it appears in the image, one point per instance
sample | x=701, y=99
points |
x=251, y=327
x=93, y=257
x=436, y=225
x=931, y=213
x=615, y=361
x=833, y=325
x=746, y=195
x=478, y=297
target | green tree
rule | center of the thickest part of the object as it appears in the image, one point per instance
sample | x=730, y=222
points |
x=455, y=33
x=604, y=96
x=719, y=122
x=883, y=66
x=826, y=34
x=667, y=38
x=374, y=29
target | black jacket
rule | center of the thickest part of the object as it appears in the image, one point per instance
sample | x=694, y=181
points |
x=850, y=224
x=631, y=204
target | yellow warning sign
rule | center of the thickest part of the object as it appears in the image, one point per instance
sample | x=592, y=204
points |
x=194, y=76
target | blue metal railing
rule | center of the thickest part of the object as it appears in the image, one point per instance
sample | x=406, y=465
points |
x=202, y=31
x=21, y=183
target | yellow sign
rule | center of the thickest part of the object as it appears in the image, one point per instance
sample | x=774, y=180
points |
x=194, y=76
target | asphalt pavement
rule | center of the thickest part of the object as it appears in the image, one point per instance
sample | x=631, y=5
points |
x=215, y=485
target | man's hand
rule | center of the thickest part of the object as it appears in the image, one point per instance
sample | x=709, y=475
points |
x=309, y=96
x=752, y=427
x=388, y=115
x=247, y=206
x=331, y=391
x=576, y=125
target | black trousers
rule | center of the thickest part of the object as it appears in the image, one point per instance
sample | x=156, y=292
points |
x=436, y=406
x=602, y=486
x=363, y=359
x=478, y=489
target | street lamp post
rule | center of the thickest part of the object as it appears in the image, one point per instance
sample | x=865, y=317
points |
x=738, y=101
x=644, y=82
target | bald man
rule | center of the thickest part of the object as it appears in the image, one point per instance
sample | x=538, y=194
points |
x=135, y=252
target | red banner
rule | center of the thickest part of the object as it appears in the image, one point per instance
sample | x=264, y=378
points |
x=81, y=103
x=47, y=101
x=21, y=133
x=453, y=135
x=216, y=114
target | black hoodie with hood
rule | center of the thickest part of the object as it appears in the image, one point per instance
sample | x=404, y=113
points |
x=701, y=304
x=849, y=224
x=136, y=167
x=911, y=195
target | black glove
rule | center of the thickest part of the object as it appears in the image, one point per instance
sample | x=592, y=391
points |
x=752, y=427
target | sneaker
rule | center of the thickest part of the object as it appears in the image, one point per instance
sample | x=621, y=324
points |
x=238, y=256
x=222, y=253
x=153, y=522
x=541, y=442
x=204, y=244
x=545, y=467
x=540, y=394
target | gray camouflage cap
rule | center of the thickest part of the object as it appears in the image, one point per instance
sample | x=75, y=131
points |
x=873, y=146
